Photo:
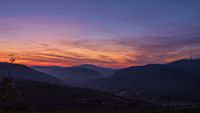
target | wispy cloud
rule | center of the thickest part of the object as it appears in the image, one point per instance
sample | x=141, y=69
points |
x=114, y=39
x=162, y=47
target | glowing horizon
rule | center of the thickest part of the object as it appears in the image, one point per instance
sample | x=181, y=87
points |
x=112, y=33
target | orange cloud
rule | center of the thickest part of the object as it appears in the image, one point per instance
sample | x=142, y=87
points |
x=52, y=44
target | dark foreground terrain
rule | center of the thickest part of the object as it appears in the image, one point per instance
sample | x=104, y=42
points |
x=38, y=97
x=28, y=96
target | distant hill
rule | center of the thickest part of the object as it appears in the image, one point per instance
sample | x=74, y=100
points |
x=190, y=67
x=103, y=70
x=23, y=72
x=176, y=81
x=71, y=75
x=46, y=67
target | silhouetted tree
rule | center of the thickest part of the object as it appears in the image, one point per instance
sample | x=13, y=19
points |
x=12, y=60
x=7, y=83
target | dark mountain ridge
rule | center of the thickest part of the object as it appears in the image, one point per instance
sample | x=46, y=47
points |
x=103, y=70
x=177, y=80
x=76, y=76
x=18, y=71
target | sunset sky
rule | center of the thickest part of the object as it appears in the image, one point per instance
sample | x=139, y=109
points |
x=114, y=33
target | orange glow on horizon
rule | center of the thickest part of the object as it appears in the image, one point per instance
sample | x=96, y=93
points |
x=65, y=44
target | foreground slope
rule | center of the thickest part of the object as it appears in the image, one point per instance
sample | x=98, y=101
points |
x=39, y=96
